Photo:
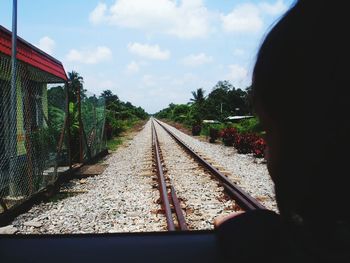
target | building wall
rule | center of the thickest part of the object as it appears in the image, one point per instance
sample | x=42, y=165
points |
x=20, y=86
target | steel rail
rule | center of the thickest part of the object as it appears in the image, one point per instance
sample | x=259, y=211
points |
x=243, y=199
x=161, y=180
x=178, y=211
x=165, y=198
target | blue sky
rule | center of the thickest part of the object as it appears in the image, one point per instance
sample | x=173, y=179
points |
x=149, y=52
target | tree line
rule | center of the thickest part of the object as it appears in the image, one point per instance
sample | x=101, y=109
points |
x=223, y=101
x=105, y=109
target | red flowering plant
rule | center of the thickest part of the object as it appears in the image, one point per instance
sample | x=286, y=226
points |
x=228, y=136
x=259, y=147
x=250, y=143
x=244, y=142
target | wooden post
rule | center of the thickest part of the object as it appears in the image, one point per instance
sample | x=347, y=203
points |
x=68, y=127
x=81, y=156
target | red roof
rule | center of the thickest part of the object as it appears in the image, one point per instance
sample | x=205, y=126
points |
x=31, y=55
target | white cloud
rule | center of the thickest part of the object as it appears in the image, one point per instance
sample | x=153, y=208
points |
x=273, y=9
x=98, y=14
x=197, y=60
x=132, y=67
x=184, y=19
x=247, y=18
x=94, y=56
x=47, y=44
x=238, y=75
x=244, y=18
x=148, y=51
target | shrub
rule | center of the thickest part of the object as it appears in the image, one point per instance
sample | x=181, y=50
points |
x=206, y=127
x=243, y=143
x=228, y=136
x=249, y=126
x=259, y=147
x=196, y=130
x=250, y=143
x=118, y=126
x=109, y=131
x=213, y=134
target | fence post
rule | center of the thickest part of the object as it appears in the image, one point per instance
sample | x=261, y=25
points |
x=13, y=189
x=68, y=127
x=81, y=157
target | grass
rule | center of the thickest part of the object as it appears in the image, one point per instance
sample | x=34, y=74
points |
x=114, y=143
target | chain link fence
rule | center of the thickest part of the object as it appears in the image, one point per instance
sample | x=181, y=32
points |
x=93, y=118
x=28, y=132
x=40, y=131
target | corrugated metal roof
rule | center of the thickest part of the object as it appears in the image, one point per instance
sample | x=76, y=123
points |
x=32, y=55
x=239, y=117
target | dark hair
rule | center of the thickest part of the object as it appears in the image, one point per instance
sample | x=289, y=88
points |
x=300, y=82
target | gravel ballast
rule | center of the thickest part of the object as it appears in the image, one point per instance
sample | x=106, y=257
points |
x=121, y=199
x=202, y=198
x=124, y=197
x=248, y=172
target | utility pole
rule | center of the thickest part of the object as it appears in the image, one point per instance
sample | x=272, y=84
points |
x=13, y=105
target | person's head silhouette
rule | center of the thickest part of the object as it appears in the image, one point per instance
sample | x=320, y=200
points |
x=299, y=91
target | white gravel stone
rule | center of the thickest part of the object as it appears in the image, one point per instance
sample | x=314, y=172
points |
x=118, y=200
x=251, y=172
x=124, y=198
x=32, y=223
x=8, y=230
x=203, y=199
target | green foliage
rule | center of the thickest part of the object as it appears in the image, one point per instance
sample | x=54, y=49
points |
x=180, y=113
x=75, y=85
x=117, y=109
x=56, y=117
x=224, y=100
x=251, y=125
x=57, y=97
x=207, y=126
x=198, y=96
x=114, y=143
x=120, y=116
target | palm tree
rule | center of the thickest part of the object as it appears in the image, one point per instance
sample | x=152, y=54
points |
x=75, y=83
x=198, y=96
x=198, y=105
x=75, y=90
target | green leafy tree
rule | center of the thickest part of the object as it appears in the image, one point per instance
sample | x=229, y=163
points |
x=225, y=100
x=57, y=97
x=120, y=115
x=180, y=112
x=198, y=96
x=75, y=84
x=109, y=97
x=197, y=108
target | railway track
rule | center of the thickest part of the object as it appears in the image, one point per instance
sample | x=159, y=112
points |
x=125, y=197
x=163, y=189
x=178, y=207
